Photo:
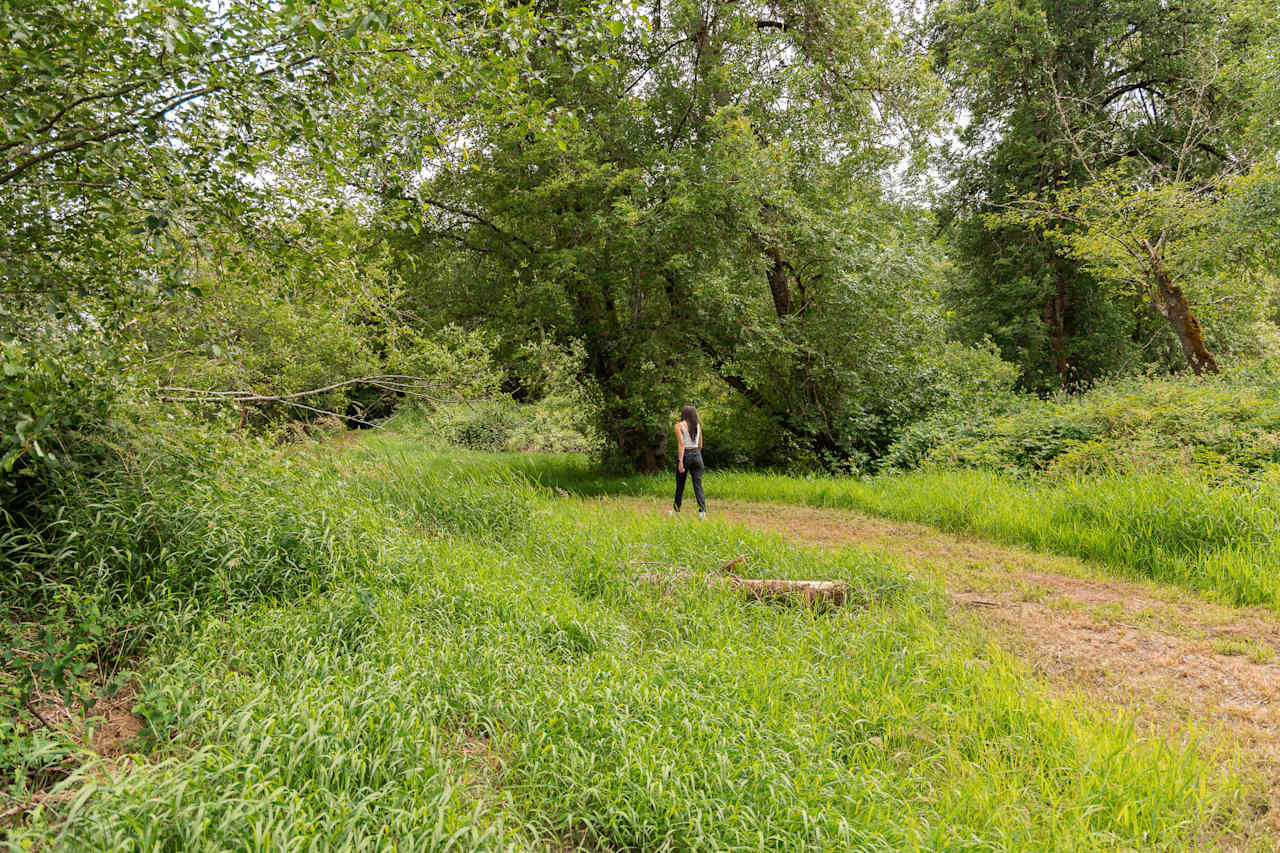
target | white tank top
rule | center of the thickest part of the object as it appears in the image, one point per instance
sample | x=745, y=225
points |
x=691, y=441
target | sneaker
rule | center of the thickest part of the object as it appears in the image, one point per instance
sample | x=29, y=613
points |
x=702, y=515
x=673, y=512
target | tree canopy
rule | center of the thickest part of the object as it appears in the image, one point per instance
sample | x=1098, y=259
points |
x=822, y=221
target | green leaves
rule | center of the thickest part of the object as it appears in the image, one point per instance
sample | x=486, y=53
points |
x=630, y=207
x=1092, y=153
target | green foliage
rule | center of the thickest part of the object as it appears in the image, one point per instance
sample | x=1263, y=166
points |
x=557, y=413
x=1096, y=147
x=740, y=436
x=946, y=381
x=187, y=520
x=504, y=425
x=1228, y=428
x=463, y=693
x=604, y=211
x=1264, y=69
x=716, y=212
x=274, y=321
x=143, y=124
x=308, y=316
x=176, y=180
x=1009, y=280
x=55, y=395
x=486, y=426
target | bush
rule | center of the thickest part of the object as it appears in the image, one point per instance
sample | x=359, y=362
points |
x=1223, y=427
x=483, y=426
x=502, y=425
x=741, y=436
x=948, y=384
x=55, y=397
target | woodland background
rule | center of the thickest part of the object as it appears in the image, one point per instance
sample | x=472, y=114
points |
x=823, y=224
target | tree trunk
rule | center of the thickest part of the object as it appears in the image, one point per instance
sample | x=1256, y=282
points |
x=645, y=448
x=1055, y=317
x=779, y=283
x=1172, y=304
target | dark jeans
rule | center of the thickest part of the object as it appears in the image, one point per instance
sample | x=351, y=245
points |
x=692, y=466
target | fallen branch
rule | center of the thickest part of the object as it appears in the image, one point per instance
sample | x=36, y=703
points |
x=414, y=386
x=396, y=383
x=16, y=811
x=32, y=708
x=13, y=816
x=833, y=593
x=736, y=561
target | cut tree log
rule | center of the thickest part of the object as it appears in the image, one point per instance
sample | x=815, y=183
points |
x=833, y=593
x=829, y=593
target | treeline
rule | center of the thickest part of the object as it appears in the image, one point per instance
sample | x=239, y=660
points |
x=823, y=223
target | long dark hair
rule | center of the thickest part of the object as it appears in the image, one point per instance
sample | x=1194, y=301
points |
x=690, y=417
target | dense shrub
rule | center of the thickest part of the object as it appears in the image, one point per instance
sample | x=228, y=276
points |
x=949, y=383
x=741, y=436
x=1223, y=427
x=56, y=392
x=502, y=424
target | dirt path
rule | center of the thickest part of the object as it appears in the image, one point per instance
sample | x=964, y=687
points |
x=1158, y=652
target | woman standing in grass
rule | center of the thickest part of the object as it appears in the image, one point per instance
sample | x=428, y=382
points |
x=689, y=458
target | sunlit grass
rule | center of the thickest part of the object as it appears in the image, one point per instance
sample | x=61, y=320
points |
x=477, y=667
x=1219, y=539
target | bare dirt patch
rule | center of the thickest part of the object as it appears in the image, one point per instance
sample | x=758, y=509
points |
x=108, y=732
x=1156, y=652
x=109, y=728
x=118, y=728
x=482, y=766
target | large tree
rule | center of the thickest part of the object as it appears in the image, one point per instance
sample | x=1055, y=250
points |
x=718, y=210
x=1059, y=93
x=143, y=141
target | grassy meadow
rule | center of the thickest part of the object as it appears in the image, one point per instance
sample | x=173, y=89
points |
x=389, y=647
x=1218, y=539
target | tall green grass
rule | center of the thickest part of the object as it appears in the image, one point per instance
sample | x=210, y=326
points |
x=182, y=528
x=1221, y=539
x=452, y=689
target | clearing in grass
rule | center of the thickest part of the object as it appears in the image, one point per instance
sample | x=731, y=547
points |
x=1220, y=539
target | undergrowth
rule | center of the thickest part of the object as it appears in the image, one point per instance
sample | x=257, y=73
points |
x=1222, y=429
x=184, y=523
x=459, y=660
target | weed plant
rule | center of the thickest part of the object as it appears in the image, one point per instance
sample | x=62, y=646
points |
x=478, y=667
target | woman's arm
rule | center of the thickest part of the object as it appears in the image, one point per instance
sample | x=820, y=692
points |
x=699, y=438
x=679, y=448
